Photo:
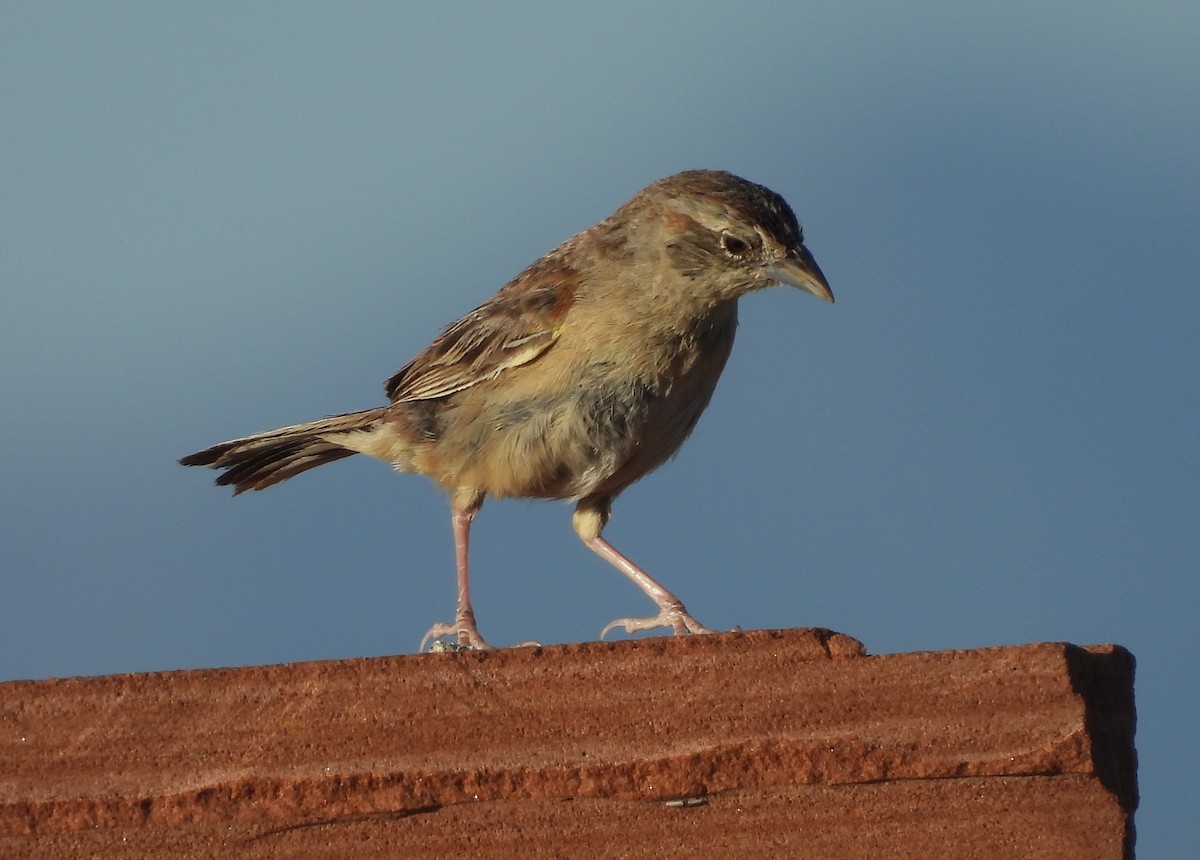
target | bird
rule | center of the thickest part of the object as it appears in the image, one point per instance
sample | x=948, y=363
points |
x=581, y=375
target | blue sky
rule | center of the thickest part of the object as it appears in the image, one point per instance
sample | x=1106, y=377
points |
x=224, y=218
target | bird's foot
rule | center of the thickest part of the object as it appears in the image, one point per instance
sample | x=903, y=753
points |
x=464, y=630
x=673, y=617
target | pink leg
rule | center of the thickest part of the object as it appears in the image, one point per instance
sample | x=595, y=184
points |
x=463, y=628
x=671, y=614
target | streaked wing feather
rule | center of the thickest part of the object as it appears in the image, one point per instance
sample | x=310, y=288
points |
x=512, y=328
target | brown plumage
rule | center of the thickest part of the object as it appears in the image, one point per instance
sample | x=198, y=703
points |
x=582, y=374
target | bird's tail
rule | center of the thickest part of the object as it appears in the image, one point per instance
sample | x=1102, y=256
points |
x=256, y=462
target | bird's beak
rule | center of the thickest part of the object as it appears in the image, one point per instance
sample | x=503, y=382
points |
x=799, y=269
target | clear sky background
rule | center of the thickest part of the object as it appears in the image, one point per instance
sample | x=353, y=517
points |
x=219, y=219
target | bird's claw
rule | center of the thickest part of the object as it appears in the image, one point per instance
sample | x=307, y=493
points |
x=676, y=619
x=466, y=633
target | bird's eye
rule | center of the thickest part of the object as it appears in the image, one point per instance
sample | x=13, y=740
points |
x=734, y=246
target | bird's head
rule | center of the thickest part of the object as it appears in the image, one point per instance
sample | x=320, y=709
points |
x=728, y=235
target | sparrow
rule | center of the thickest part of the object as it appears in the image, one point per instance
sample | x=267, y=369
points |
x=584, y=373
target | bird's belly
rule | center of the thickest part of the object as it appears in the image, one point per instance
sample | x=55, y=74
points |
x=595, y=437
x=597, y=427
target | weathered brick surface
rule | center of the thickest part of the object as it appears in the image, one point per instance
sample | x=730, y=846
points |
x=770, y=743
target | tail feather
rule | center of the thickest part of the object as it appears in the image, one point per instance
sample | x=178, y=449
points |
x=256, y=462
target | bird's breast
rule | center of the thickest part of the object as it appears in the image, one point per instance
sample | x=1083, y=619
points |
x=577, y=421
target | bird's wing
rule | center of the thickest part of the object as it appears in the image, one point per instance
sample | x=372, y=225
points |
x=512, y=328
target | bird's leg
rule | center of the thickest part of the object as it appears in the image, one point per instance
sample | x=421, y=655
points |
x=463, y=627
x=590, y=517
